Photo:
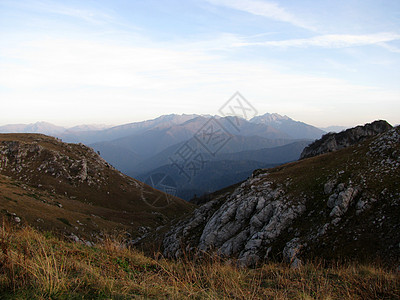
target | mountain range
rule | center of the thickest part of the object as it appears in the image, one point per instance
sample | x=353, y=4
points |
x=142, y=148
x=48, y=128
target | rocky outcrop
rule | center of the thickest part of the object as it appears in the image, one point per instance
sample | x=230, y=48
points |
x=251, y=218
x=184, y=237
x=340, y=200
x=26, y=160
x=335, y=141
x=305, y=209
x=242, y=224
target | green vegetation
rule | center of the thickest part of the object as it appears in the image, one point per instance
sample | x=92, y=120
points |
x=42, y=266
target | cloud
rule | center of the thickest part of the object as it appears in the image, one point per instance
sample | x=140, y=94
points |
x=269, y=10
x=115, y=83
x=390, y=47
x=89, y=15
x=74, y=63
x=331, y=41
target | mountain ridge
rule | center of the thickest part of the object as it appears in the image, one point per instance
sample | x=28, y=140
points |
x=336, y=141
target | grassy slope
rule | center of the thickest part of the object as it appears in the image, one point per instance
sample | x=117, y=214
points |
x=112, y=189
x=113, y=202
x=41, y=209
x=306, y=179
x=37, y=266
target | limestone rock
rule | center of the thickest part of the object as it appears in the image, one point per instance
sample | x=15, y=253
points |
x=340, y=200
x=244, y=225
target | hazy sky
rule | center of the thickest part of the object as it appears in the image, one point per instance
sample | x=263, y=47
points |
x=321, y=62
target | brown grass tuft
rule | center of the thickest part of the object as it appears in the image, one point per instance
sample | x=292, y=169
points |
x=34, y=265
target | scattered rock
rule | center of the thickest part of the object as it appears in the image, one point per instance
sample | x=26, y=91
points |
x=291, y=251
x=74, y=238
x=341, y=199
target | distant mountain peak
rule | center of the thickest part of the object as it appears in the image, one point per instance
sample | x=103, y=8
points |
x=269, y=117
x=88, y=127
x=42, y=123
x=294, y=129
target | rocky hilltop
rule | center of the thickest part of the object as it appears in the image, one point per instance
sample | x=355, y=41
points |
x=344, y=204
x=334, y=141
x=69, y=187
x=35, y=158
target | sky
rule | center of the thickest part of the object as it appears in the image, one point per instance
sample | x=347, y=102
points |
x=114, y=62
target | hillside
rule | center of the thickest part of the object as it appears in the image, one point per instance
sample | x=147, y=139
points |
x=214, y=175
x=218, y=171
x=276, y=155
x=70, y=188
x=339, y=205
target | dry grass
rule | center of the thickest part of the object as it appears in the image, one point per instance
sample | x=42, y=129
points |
x=41, y=266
